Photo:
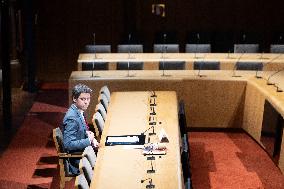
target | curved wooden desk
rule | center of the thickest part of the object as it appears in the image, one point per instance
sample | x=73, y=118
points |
x=215, y=101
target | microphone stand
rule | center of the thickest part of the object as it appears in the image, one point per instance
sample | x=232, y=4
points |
x=150, y=185
x=235, y=66
x=93, y=63
x=198, y=38
x=200, y=67
x=259, y=77
x=152, y=170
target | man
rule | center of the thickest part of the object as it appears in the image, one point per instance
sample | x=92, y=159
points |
x=76, y=136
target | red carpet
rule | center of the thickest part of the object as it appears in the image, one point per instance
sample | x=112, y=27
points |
x=218, y=160
x=231, y=160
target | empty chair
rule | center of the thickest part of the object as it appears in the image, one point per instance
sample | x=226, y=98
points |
x=81, y=182
x=94, y=66
x=198, y=48
x=90, y=154
x=101, y=109
x=171, y=65
x=166, y=48
x=105, y=90
x=97, y=49
x=206, y=65
x=86, y=169
x=249, y=66
x=99, y=123
x=63, y=158
x=277, y=48
x=246, y=48
x=131, y=48
x=132, y=65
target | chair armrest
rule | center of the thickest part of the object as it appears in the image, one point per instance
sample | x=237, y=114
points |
x=66, y=155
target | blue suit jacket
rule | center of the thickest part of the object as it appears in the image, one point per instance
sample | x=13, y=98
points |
x=75, y=138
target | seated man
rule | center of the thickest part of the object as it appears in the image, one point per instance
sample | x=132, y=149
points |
x=76, y=134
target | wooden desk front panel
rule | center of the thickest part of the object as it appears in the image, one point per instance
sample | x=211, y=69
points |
x=117, y=167
x=227, y=61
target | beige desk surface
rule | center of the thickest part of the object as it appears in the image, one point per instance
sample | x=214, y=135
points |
x=117, y=167
x=227, y=61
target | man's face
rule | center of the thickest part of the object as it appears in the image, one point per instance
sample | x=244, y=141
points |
x=83, y=101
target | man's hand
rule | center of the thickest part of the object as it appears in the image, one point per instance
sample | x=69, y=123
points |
x=95, y=143
x=91, y=135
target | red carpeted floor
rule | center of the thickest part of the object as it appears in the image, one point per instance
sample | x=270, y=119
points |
x=218, y=160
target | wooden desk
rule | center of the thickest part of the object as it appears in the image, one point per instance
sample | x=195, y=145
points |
x=117, y=167
x=215, y=101
x=227, y=61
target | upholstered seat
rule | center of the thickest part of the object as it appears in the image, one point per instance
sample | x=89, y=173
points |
x=246, y=48
x=86, y=169
x=131, y=48
x=81, y=182
x=166, y=48
x=90, y=154
x=171, y=65
x=206, y=65
x=105, y=90
x=197, y=48
x=132, y=65
x=97, y=49
x=249, y=66
x=277, y=48
x=63, y=158
x=101, y=109
x=99, y=123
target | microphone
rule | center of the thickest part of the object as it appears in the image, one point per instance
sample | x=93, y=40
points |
x=259, y=77
x=128, y=63
x=197, y=43
x=143, y=133
x=152, y=170
x=93, y=63
x=153, y=94
x=269, y=83
x=235, y=66
x=200, y=67
x=244, y=37
x=150, y=185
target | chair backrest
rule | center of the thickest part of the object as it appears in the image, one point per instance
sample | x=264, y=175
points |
x=132, y=65
x=58, y=140
x=90, y=154
x=171, y=65
x=249, y=66
x=86, y=169
x=198, y=48
x=97, y=49
x=94, y=66
x=166, y=48
x=206, y=65
x=101, y=109
x=131, y=48
x=103, y=99
x=277, y=48
x=105, y=90
x=59, y=145
x=81, y=182
x=246, y=48
x=98, y=121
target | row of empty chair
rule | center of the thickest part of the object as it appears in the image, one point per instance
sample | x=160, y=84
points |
x=175, y=48
x=172, y=65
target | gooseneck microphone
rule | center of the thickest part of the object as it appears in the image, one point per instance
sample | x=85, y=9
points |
x=196, y=45
x=93, y=63
x=150, y=185
x=235, y=66
x=128, y=48
x=143, y=133
x=269, y=62
x=275, y=73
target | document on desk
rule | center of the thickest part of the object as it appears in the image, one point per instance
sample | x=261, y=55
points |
x=125, y=140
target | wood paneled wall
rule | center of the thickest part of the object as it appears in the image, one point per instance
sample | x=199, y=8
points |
x=64, y=27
